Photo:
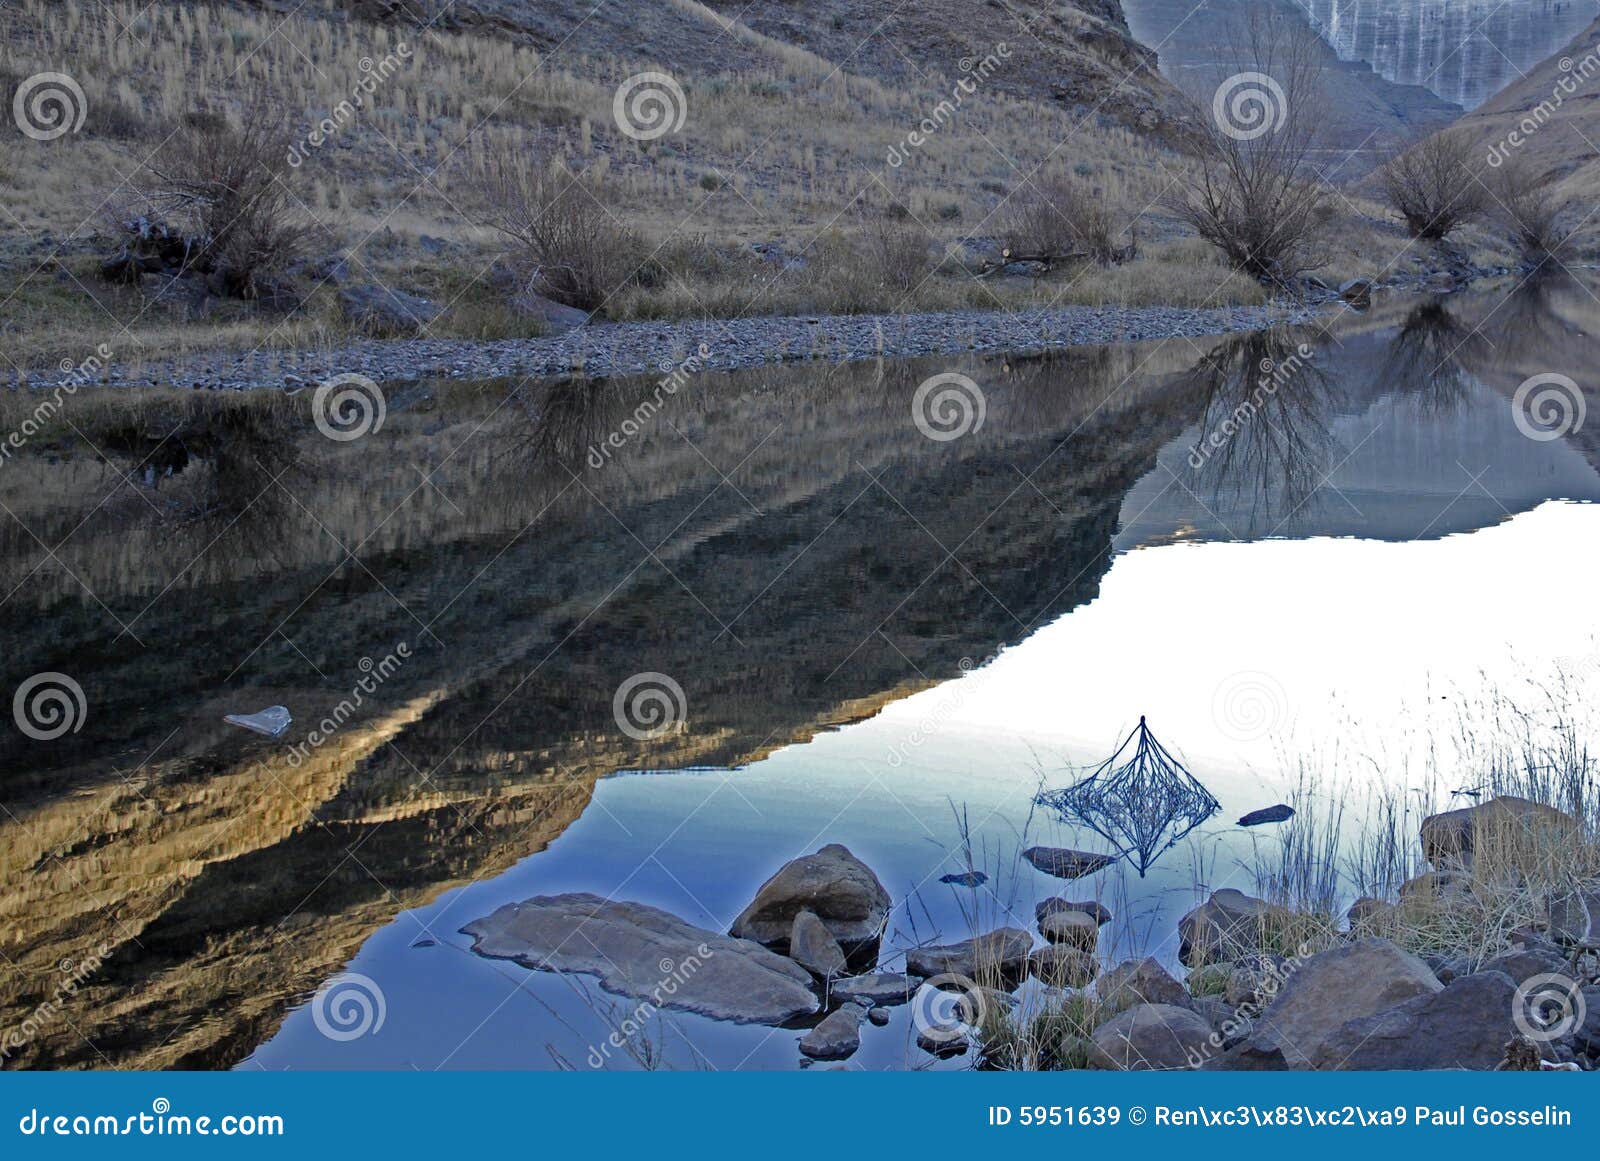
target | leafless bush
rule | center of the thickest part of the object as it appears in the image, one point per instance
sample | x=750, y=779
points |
x=895, y=250
x=1056, y=216
x=1255, y=196
x=569, y=244
x=226, y=187
x=1528, y=207
x=1433, y=186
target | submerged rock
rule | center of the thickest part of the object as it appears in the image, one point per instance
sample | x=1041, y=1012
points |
x=965, y=879
x=647, y=954
x=1066, y=864
x=832, y=884
x=878, y=988
x=1002, y=952
x=1151, y=1037
x=1279, y=813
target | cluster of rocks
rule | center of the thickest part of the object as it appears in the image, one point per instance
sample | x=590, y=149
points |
x=807, y=952
x=641, y=348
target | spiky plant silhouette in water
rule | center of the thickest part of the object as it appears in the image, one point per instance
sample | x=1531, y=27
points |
x=1145, y=804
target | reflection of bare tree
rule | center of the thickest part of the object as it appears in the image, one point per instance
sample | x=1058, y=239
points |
x=1526, y=326
x=1432, y=357
x=1265, y=430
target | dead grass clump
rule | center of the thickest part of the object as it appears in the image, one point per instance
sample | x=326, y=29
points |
x=1057, y=216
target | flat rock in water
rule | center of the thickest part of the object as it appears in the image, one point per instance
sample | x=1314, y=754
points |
x=1279, y=813
x=647, y=954
x=1002, y=952
x=271, y=721
x=1066, y=864
x=879, y=988
x=837, y=1037
x=1071, y=928
x=832, y=884
x=813, y=948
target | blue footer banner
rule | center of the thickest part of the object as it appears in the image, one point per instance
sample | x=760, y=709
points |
x=711, y=1115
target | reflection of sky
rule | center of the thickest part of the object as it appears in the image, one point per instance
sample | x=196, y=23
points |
x=1246, y=657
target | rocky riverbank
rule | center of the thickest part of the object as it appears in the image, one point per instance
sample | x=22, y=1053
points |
x=636, y=348
x=1263, y=988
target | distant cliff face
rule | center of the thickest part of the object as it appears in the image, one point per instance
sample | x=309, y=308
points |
x=1463, y=50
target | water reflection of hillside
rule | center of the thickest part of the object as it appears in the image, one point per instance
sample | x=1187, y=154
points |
x=786, y=544
x=812, y=583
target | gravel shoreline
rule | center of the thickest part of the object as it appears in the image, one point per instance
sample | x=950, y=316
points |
x=632, y=348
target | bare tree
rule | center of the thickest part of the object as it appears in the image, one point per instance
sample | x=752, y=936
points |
x=1529, y=208
x=1056, y=217
x=1256, y=197
x=896, y=249
x=218, y=194
x=1433, y=186
x=567, y=241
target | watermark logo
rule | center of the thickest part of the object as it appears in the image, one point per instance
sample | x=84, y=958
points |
x=49, y=705
x=73, y=376
x=974, y=73
x=1249, y=706
x=948, y=1008
x=1548, y=1007
x=348, y=1007
x=648, y=106
x=347, y=407
x=373, y=75
x=1575, y=75
x=628, y=1030
x=649, y=705
x=676, y=378
x=948, y=406
x=1548, y=407
x=1249, y=105
x=49, y=105
x=374, y=674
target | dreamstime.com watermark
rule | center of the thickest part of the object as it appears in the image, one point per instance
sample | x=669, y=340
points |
x=974, y=73
x=160, y=1121
x=1274, y=375
x=648, y=706
x=73, y=376
x=1549, y=1007
x=48, y=706
x=675, y=380
x=1249, y=706
x=374, y=74
x=1249, y=105
x=948, y=1008
x=349, y=1006
x=673, y=976
x=955, y=695
x=73, y=974
x=1575, y=75
x=647, y=106
x=948, y=406
x=376, y=673
x=49, y=105
x=347, y=407
x=1548, y=407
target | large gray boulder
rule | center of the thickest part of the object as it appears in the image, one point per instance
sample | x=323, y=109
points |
x=1070, y=928
x=1523, y=963
x=833, y=885
x=1325, y=992
x=552, y=317
x=1507, y=822
x=387, y=313
x=1002, y=954
x=1151, y=1037
x=1096, y=910
x=1226, y=926
x=647, y=954
x=1467, y=1025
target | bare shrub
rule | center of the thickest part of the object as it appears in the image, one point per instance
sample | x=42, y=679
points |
x=1433, y=186
x=895, y=250
x=225, y=187
x=1057, y=216
x=568, y=243
x=1529, y=208
x=1255, y=196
